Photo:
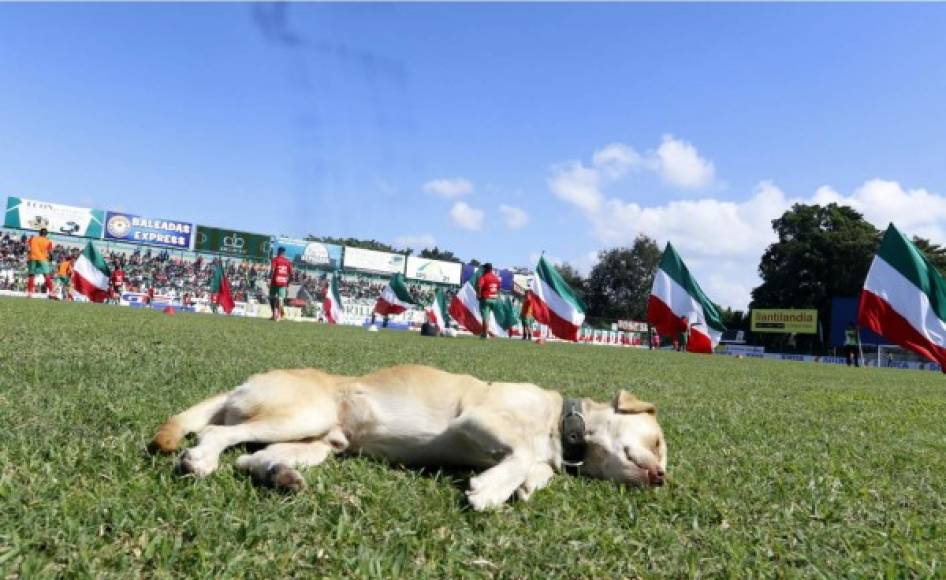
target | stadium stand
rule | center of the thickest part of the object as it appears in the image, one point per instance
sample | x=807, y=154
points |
x=184, y=274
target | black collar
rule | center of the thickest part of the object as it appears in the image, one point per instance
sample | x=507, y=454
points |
x=573, y=433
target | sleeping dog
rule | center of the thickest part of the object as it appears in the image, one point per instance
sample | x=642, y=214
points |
x=518, y=434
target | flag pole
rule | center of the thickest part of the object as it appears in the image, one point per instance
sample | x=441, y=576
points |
x=860, y=347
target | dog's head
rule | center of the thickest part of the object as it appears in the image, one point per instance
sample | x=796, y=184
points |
x=625, y=443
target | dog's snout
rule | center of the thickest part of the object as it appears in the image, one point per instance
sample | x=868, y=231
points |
x=657, y=476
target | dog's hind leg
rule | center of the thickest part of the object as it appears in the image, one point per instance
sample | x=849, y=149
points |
x=203, y=458
x=277, y=464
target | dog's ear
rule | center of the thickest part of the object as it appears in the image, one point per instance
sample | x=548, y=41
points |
x=625, y=402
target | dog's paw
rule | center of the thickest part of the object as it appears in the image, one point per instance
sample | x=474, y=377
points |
x=200, y=464
x=287, y=478
x=484, y=498
x=244, y=462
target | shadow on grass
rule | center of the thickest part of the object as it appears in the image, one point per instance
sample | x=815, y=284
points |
x=458, y=477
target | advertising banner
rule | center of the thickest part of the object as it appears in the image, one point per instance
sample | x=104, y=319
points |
x=434, y=270
x=232, y=243
x=29, y=214
x=632, y=325
x=155, y=232
x=784, y=321
x=308, y=253
x=506, y=278
x=361, y=259
x=843, y=313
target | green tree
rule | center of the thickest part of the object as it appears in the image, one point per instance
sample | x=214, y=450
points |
x=619, y=284
x=821, y=252
x=436, y=253
x=734, y=319
x=573, y=278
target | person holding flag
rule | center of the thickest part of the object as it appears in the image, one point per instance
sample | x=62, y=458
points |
x=437, y=311
x=525, y=316
x=395, y=298
x=852, y=344
x=678, y=307
x=219, y=290
x=332, y=305
x=64, y=275
x=39, y=249
x=487, y=292
x=554, y=303
x=90, y=275
x=465, y=308
x=116, y=283
x=280, y=274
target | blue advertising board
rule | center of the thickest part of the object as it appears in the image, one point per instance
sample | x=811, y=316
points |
x=844, y=312
x=140, y=230
x=309, y=253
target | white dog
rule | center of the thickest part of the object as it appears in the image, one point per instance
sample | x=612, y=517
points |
x=518, y=433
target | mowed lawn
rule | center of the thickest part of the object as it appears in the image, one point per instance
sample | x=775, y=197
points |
x=777, y=468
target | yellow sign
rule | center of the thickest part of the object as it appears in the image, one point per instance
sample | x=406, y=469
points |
x=780, y=320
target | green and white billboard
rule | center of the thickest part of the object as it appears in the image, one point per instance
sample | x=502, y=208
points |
x=30, y=214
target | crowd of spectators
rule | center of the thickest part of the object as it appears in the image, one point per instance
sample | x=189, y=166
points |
x=179, y=277
x=188, y=277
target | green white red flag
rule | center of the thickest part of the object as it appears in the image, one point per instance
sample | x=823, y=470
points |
x=220, y=289
x=554, y=303
x=395, y=298
x=904, y=298
x=678, y=305
x=90, y=274
x=332, y=305
x=465, y=308
x=507, y=318
x=437, y=310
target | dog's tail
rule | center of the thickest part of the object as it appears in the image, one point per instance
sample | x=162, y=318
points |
x=170, y=434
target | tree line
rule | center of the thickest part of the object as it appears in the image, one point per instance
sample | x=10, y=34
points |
x=822, y=251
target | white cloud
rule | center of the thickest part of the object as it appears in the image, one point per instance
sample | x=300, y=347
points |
x=675, y=161
x=616, y=159
x=916, y=212
x=514, y=217
x=466, y=217
x=449, y=188
x=679, y=164
x=577, y=184
x=416, y=242
x=722, y=241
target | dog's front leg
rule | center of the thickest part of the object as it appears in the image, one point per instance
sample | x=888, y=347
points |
x=495, y=486
x=539, y=476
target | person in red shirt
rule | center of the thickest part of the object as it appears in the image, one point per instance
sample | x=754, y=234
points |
x=487, y=292
x=117, y=282
x=280, y=274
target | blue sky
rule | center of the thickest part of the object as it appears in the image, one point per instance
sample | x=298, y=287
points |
x=494, y=130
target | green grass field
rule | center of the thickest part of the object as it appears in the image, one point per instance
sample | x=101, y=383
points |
x=777, y=468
